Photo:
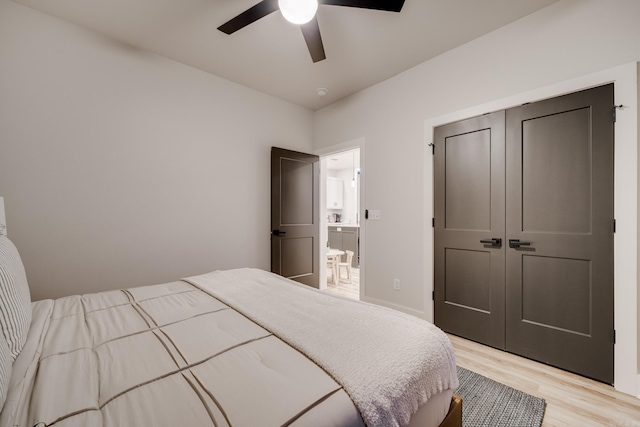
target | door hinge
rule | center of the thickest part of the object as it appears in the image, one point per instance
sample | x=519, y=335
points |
x=433, y=222
x=614, y=336
x=614, y=225
x=433, y=296
x=433, y=148
x=366, y=214
x=615, y=111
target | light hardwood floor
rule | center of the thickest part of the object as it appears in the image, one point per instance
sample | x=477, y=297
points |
x=343, y=287
x=571, y=399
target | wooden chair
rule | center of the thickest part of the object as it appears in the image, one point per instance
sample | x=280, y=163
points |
x=347, y=265
x=332, y=263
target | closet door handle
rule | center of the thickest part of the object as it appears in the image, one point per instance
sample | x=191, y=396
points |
x=493, y=242
x=278, y=233
x=516, y=243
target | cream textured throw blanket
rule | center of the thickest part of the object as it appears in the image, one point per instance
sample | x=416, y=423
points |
x=388, y=362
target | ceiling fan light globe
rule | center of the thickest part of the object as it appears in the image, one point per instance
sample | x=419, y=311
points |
x=298, y=11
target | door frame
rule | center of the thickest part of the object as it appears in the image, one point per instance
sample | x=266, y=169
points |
x=626, y=301
x=324, y=152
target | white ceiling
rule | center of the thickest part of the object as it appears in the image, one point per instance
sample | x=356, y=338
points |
x=363, y=47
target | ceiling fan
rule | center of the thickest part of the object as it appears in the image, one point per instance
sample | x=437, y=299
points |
x=303, y=12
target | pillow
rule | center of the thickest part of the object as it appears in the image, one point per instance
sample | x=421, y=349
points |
x=6, y=366
x=15, y=300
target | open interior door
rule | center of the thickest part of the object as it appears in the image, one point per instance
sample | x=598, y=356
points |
x=295, y=224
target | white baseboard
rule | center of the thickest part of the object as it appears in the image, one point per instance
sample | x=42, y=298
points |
x=401, y=308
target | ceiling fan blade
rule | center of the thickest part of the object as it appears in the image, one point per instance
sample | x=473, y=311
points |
x=260, y=10
x=388, y=5
x=311, y=33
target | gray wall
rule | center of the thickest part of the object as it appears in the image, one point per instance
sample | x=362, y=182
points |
x=122, y=168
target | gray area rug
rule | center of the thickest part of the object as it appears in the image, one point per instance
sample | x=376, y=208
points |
x=487, y=403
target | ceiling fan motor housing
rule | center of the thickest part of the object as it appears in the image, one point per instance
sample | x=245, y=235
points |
x=298, y=11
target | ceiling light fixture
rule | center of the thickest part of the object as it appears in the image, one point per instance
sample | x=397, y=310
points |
x=322, y=91
x=298, y=11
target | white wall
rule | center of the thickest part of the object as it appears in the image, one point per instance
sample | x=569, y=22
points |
x=122, y=168
x=567, y=40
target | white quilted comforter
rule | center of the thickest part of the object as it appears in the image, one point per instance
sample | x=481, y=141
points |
x=227, y=348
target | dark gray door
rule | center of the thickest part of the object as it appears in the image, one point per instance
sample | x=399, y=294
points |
x=547, y=292
x=469, y=213
x=560, y=211
x=295, y=225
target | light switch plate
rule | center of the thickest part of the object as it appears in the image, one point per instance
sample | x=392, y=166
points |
x=375, y=215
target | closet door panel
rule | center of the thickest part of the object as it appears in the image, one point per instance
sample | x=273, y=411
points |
x=556, y=173
x=468, y=181
x=469, y=200
x=559, y=218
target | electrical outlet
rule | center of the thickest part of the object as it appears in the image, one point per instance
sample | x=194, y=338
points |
x=396, y=284
x=375, y=215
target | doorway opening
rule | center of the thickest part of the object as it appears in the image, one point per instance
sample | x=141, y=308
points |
x=340, y=223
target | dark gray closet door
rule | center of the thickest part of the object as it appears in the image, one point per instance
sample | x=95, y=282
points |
x=559, y=192
x=295, y=225
x=469, y=212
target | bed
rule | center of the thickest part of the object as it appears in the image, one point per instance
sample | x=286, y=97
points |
x=229, y=348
